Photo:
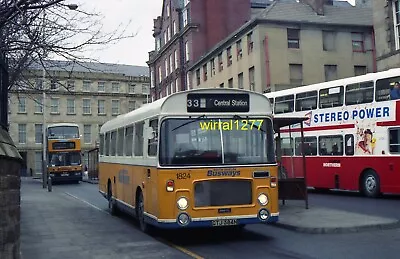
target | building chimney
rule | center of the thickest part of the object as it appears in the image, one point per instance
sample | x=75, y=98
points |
x=316, y=5
x=157, y=26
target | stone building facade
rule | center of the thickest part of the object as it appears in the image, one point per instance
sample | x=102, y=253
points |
x=88, y=94
x=291, y=44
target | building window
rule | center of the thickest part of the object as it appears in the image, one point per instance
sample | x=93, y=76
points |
x=39, y=105
x=38, y=162
x=212, y=64
x=165, y=37
x=357, y=42
x=132, y=87
x=230, y=83
x=173, y=27
x=293, y=36
x=39, y=83
x=101, y=109
x=115, y=107
x=70, y=106
x=54, y=84
x=132, y=105
x=176, y=59
x=198, y=76
x=38, y=133
x=158, y=44
x=168, y=11
x=159, y=74
x=55, y=103
x=86, y=106
x=239, y=49
x=185, y=17
x=71, y=85
x=176, y=85
x=171, y=64
x=360, y=70
x=86, y=86
x=87, y=134
x=205, y=72
x=396, y=22
x=296, y=74
x=168, y=33
x=252, y=82
x=115, y=87
x=220, y=62
x=329, y=40
x=187, y=81
x=229, y=56
x=187, y=51
x=330, y=72
x=166, y=67
x=240, y=81
x=145, y=89
x=101, y=87
x=21, y=133
x=152, y=78
x=21, y=105
x=250, y=43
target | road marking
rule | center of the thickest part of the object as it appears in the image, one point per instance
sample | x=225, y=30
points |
x=183, y=250
x=88, y=203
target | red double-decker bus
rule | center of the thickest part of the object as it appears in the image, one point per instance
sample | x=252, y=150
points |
x=352, y=136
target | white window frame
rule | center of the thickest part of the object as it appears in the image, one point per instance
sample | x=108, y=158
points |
x=112, y=107
x=88, y=106
x=85, y=133
x=71, y=110
x=396, y=23
x=22, y=132
x=159, y=74
x=171, y=64
x=174, y=28
x=39, y=105
x=54, y=109
x=166, y=66
x=176, y=59
x=187, y=51
x=22, y=105
x=86, y=85
x=101, y=86
x=115, y=87
x=101, y=109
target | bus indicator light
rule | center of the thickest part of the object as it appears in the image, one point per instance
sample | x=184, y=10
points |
x=273, y=181
x=170, y=186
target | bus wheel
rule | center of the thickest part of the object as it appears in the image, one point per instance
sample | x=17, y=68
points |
x=111, y=204
x=140, y=213
x=370, y=184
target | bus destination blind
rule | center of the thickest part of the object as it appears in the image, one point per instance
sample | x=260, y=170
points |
x=218, y=103
x=63, y=145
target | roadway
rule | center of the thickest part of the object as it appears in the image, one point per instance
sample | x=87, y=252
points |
x=261, y=241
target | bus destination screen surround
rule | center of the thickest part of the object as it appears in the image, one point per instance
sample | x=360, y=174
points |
x=218, y=103
x=215, y=141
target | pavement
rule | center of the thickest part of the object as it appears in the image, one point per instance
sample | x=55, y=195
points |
x=320, y=220
x=55, y=225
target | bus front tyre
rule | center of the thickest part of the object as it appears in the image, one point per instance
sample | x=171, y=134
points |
x=371, y=184
x=144, y=227
x=111, y=203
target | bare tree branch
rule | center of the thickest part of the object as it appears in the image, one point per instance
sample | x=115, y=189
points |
x=33, y=31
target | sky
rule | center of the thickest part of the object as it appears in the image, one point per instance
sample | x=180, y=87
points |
x=132, y=51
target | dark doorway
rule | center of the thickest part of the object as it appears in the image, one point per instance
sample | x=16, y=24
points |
x=24, y=156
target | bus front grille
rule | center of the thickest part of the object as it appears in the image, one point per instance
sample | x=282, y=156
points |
x=222, y=193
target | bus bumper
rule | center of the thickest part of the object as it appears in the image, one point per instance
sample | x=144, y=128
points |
x=65, y=177
x=210, y=222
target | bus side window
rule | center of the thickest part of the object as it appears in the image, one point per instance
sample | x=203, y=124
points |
x=349, y=144
x=331, y=145
x=152, y=143
x=385, y=89
x=394, y=141
x=358, y=93
x=310, y=146
x=284, y=104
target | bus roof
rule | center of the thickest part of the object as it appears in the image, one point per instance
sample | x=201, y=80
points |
x=339, y=82
x=175, y=104
x=62, y=124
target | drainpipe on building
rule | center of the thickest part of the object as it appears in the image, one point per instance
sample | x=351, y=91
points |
x=374, y=52
x=181, y=50
x=267, y=67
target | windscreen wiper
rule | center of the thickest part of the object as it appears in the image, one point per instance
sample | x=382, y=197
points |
x=188, y=122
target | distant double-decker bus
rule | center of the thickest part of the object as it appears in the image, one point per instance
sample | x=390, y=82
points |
x=64, y=152
x=198, y=158
x=352, y=135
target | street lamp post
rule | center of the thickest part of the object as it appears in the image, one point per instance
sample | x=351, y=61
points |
x=44, y=140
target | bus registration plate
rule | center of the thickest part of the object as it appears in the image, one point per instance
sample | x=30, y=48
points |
x=224, y=222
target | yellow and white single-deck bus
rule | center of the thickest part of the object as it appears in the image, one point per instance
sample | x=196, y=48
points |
x=198, y=158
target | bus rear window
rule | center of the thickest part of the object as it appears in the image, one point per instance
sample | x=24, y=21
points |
x=331, y=97
x=360, y=93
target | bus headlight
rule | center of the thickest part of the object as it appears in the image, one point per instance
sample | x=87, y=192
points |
x=263, y=199
x=182, y=203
